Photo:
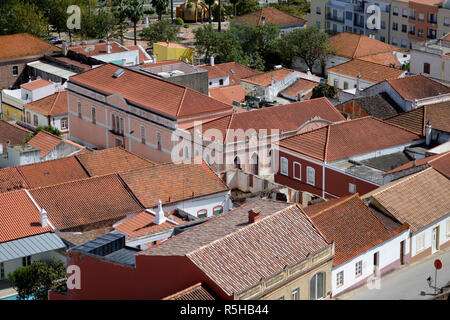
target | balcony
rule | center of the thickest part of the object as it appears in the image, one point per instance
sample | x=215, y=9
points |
x=334, y=18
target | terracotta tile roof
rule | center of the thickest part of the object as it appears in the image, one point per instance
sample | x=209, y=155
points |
x=234, y=70
x=99, y=48
x=288, y=117
x=172, y=183
x=19, y=216
x=368, y=71
x=301, y=86
x=264, y=79
x=195, y=292
x=55, y=104
x=47, y=173
x=85, y=202
x=351, y=225
x=387, y=59
x=23, y=45
x=418, y=87
x=13, y=133
x=349, y=138
x=236, y=255
x=152, y=93
x=228, y=94
x=79, y=238
x=142, y=223
x=272, y=15
x=45, y=142
x=12, y=179
x=377, y=105
x=415, y=120
x=351, y=45
x=111, y=160
x=36, y=84
x=417, y=200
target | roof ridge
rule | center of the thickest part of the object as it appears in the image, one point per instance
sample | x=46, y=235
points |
x=228, y=127
x=325, y=152
x=54, y=102
x=357, y=46
x=23, y=176
x=181, y=102
x=76, y=180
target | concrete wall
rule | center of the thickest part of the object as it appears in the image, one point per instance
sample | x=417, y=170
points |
x=197, y=81
x=439, y=65
x=338, y=80
x=216, y=82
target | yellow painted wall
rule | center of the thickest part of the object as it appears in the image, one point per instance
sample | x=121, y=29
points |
x=9, y=111
x=164, y=53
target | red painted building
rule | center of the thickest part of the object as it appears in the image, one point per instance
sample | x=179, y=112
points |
x=336, y=160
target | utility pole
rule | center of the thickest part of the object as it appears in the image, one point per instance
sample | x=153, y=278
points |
x=171, y=10
x=220, y=16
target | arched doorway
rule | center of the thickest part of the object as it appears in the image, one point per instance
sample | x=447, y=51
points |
x=254, y=164
x=237, y=163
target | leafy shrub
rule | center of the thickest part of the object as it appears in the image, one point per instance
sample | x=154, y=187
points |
x=179, y=21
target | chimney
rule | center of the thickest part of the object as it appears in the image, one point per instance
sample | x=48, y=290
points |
x=299, y=97
x=108, y=47
x=414, y=161
x=272, y=80
x=358, y=78
x=65, y=48
x=44, y=218
x=254, y=215
x=159, y=216
x=211, y=61
x=428, y=133
x=308, y=72
x=154, y=58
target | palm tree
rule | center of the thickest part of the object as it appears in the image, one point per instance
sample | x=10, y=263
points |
x=220, y=16
x=160, y=6
x=210, y=4
x=234, y=3
x=135, y=12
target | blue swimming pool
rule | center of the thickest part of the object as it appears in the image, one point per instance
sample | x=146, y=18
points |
x=14, y=297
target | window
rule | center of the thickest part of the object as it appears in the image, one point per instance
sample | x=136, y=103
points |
x=202, y=213
x=2, y=271
x=358, y=268
x=297, y=171
x=317, y=286
x=35, y=120
x=405, y=13
x=310, y=176
x=383, y=24
x=26, y=261
x=345, y=85
x=186, y=152
x=294, y=294
x=28, y=117
x=143, y=134
x=64, y=123
x=221, y=82
x=351, y=188
x=318, y=10
x=446, y=21
x=122, y=126
x=158, y=141
x=395, y=11
x=404, y=43
x=339, y=278
x=284, y=166
x=79, y=109
x=382, y=39
x=421, y=17
x=412, y=29
x=420, y=33
x=394, y=41
x=412, y=15
x=420, y=242
x=15, y=115
x=93, y=115
x=426, y=68
x=395, y=26
x=448, y=228
x=15, y=70
x=404, y=28
x=217, y=210
x=336, y=83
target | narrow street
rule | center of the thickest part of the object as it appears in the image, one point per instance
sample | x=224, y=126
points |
x=408, y=283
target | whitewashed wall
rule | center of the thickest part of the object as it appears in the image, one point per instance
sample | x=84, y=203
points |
x=444, y=235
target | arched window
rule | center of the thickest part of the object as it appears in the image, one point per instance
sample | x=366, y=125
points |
x=202, y=213
x=254, y=164
x=217, y=210
x=237, y=163
x=186, y=152
x=317, y=286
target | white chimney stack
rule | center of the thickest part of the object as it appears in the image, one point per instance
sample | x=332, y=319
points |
x=108, y=47
x=211, y=61
x=159, y=216
x=428, y=133
x=358, y=78
x=44, y=218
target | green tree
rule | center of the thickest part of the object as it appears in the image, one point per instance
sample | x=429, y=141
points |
x=160, y=7
x=119, y=10
x=106, y=23
x=246, y=6
x=24, y=17
x=206, y=41
x=310, y=45
x=234, y=3
x=135, y=12
x=38, y=278
x=324, y=90
x=160, y=31
x=49, y=129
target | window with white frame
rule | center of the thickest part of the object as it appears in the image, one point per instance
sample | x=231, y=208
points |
x=79, y=109
x=202, y=213
x=448, y=228
x=295, y=294
x=94, y=117
x=158, y=141
x=143, y=134
x=310, y=176
x=26, y=261
x=358, y=268
x=297, y=167
x=340, y=278
x=351, y=188
x=284, y=166
x=64, y=123
x=420, y=242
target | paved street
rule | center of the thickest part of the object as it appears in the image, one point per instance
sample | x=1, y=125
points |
x=406, y=283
